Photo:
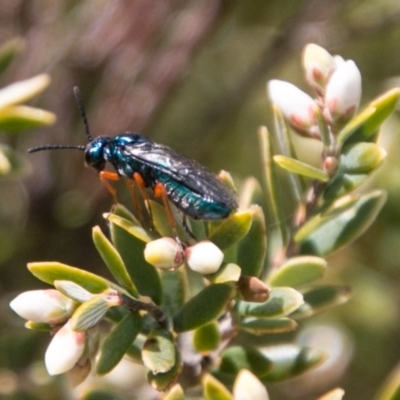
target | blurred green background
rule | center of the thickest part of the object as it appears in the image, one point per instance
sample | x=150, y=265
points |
x=192, y=75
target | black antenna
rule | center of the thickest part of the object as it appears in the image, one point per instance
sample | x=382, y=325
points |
x=78, y=98
x=55, y=147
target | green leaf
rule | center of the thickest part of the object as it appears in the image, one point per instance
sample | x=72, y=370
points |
x=38, y=326
x=364, y=126
x=164, y=380
x=274, y=198
x=335, y=394
x=301, y=168
x=21, y=91
x=320, y=298
x=131, y=227
x=12, y=164
x=227, y=273
x=175, y=393
x=89, y=313
x=281, y=302
x=113, y=260
x=158, y=353
x=18, y=118
x=236, y=358
x=342, y=223
x=252, y=249
x=298, y=271
x=131, y=249
x=175, y=290
x=265, y=326
x=73, y=291
x=213, y=389
x=117, y=343
x=232, y=229
x=101, y=394
x=341, y=184
x=206, y=338
x=361, y=158
x=8, y=51
x=53, y=271
x=290, y=360
x=203, y=308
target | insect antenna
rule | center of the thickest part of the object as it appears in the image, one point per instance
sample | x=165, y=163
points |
x=55, y=147
x=78, y=98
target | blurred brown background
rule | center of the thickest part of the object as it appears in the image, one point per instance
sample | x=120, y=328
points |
x=192, y=75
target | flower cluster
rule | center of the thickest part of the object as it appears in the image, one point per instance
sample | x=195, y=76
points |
x=204, y=257
x=337, y=86
x=71, y=313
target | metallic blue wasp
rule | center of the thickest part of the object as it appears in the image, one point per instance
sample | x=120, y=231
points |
x=194, y=190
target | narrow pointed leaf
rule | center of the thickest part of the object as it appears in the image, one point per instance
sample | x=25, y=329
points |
x=53, y=271
x=391, y=388
x=131, y=249
x=21, y=91
x=18, y=118
x=327, y=232
x=113, y=260
x=213, y=389
x=320, y=298
x=252, y=249
x=73, y=291
x=175, y=290
x=204, y=307
x=301, y=168
x=232, y=229
x=236, y=358
x=290, y=360
x=129, y=226
x=12, y=164
x=274, y=199
x=251, y=193
x=281, y=302
x=361, y=158
x=206, y=338
x=89, y=314
x=343, y=183
x=298, y=271
x=265, y=326
x=248, y=387
x=363, y=127
x=38, y=326
x=117, y=343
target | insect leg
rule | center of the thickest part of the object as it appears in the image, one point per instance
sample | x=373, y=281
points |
x=136, y=202
x=106, y=176
x=141, y=186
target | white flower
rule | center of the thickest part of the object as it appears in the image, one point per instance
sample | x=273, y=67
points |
x=343, y=92
x=318, y=65
x=204, y=257
x=248, y=387
x=65, y=350
x=296, y=106
x=48, y=306
x=164, y=253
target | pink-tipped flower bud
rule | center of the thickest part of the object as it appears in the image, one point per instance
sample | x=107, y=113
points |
x=48, y=306
x=296, y=106
x=204, y=257
x=343, y=93
x=65, y=350
x=318, y=66
x=164, y=253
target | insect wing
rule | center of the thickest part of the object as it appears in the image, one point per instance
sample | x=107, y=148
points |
x=182, y=169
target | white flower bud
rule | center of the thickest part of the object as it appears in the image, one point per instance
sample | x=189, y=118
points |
x=65, y=350
x=318, y=65
x=204, y=257
x=248, y=387
x=48, y=306
x=343, y=92
x=297, y=107
x=164, y=253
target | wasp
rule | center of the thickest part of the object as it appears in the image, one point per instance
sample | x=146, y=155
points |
x=174, y=178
